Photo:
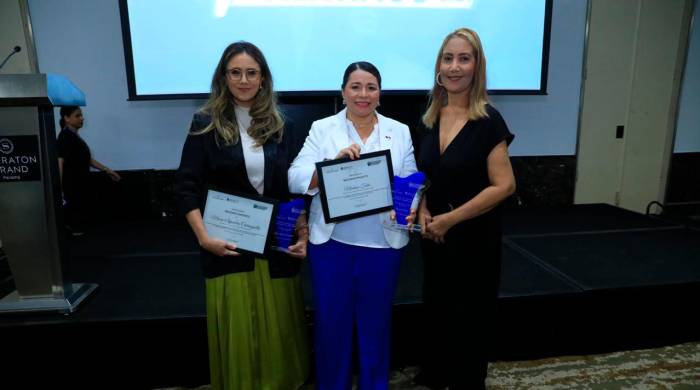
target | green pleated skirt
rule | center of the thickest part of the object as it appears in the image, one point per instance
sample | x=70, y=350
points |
x=256, y=330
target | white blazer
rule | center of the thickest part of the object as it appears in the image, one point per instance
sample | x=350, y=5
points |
x=326, y=138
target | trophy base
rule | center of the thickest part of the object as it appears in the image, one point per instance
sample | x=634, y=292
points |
x=13, y=303
x=397, y=226
x=280, y=249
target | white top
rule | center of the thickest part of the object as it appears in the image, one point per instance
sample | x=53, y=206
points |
x=253, y=155
x=364, y=231
x=326, y=137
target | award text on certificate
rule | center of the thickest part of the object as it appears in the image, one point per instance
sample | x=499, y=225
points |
x=239, y=220
x=356, y=186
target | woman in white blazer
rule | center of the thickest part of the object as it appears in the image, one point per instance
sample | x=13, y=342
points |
x=355, y=263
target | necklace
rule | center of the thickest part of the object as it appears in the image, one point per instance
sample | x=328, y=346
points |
x=363, y=130
x=368, y=125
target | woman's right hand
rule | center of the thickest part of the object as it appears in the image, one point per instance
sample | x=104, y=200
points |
x=219, y=247
x=421, y=217
x=352, y=152
x=424, y=218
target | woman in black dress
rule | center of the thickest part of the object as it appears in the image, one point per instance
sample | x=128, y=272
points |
x=74, y=162
x=464, y=154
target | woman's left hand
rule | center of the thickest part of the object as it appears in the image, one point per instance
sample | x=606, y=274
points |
x=411, y=218
x=438, y=227
x=392, y=215
x=298, y=250
x=113, y=175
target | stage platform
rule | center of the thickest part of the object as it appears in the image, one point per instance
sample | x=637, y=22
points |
x=583, y=279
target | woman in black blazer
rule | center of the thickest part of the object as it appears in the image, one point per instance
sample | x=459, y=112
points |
x=239, y=142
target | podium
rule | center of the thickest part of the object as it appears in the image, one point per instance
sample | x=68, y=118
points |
x=31, y=215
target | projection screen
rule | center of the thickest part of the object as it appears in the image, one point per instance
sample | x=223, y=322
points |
x=172, y=47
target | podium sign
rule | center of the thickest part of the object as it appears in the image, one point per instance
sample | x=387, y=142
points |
x=19, y=158
x=31, y=227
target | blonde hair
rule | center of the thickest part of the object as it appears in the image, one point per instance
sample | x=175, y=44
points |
x=478, y=97
x=267, y=121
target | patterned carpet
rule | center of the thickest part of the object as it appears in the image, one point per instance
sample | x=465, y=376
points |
x=675, y=367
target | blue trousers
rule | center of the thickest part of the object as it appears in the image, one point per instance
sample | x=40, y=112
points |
x=353, y=289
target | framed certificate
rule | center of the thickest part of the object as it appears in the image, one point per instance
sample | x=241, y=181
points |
x=355, y=188
x=244, y=220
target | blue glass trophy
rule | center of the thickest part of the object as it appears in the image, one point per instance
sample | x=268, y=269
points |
x=285, y=222
x=406, y=194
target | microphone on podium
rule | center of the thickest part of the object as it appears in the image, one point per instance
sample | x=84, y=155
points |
x=15, y=50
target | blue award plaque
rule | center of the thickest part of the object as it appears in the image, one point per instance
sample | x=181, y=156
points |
x=285, y=221
x=406, y=194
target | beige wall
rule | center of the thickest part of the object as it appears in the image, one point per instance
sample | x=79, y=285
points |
x=14, y=28
x=634, y=61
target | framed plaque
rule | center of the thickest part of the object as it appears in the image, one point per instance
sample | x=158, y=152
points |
x=241, y=219
x=355, y=188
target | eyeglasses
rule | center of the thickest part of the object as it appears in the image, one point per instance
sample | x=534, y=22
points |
x=237, y=74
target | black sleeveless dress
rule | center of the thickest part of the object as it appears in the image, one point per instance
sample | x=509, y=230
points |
x=461, y=276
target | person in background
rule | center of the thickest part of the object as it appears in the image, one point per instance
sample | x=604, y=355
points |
x=464, y=154
x=239, y=142
x=74, y=162
x=354, y=263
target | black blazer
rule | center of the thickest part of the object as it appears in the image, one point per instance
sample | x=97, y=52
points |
x=207, y=163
